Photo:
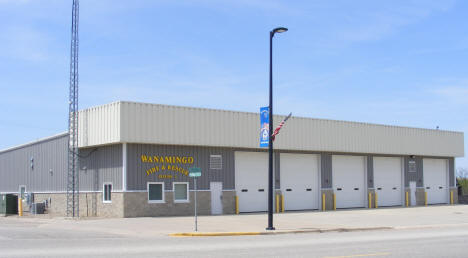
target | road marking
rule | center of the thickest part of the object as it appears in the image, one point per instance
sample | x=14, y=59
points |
x=359, y=255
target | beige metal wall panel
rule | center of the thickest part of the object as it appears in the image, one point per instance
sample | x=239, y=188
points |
x=173, y=125
x=340, y=136
x=99, y=125
x=148, y=123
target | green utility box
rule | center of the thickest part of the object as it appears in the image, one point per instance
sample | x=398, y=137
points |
x=8, y=204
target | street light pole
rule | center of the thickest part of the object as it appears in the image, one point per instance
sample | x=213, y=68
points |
x=270, y=130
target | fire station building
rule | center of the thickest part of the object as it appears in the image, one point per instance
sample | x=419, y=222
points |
x=134, y=160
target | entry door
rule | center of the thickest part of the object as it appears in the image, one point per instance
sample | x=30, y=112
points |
x=216, y=198
x=299, y=181
x=251, y=179
x=435, y=180
x=387, y=181
x=349, y=181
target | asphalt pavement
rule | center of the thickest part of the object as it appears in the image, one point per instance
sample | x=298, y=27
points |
x=434, y=231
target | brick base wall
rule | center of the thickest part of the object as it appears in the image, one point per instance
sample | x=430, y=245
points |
x=136, y=205
x=91, y=204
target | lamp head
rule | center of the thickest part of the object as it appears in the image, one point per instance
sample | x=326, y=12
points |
x=279, y=30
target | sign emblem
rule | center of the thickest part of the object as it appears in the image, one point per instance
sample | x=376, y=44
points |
x=264, y=127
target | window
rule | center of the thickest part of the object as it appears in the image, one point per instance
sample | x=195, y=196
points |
x=216, y=162
x=181, y=192
x=106, y=195
x=155, y=192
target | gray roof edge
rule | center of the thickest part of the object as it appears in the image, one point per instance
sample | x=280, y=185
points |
x=34, y=142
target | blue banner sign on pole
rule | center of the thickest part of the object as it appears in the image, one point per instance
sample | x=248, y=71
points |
x=264, y=126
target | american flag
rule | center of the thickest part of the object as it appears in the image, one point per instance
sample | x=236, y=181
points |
x=279, y=127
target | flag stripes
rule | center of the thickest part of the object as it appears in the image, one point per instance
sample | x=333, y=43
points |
x=279, y=127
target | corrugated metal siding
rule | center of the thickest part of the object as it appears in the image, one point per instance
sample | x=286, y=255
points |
x=339, y=136
x=50, y=154
x=103, y=165
x=137, y=177
x=370, y=172
x=419, y=172
x=276, y=169
x=99, y=125
x=414, y=176
x=452, y=172
x=173, y=125
x=326, y=167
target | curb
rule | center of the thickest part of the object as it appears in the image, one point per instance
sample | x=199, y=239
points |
x=208, y=234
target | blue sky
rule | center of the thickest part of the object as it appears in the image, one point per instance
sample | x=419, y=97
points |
x=388, y=62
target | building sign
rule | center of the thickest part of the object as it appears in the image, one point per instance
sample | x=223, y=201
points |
x=163, y=164
x=264, y=127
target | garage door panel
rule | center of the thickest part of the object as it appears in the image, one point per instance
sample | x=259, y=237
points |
x=349, y=181
x=388, y=180
x=299, y=181
x=251, y=174
x=435, y=180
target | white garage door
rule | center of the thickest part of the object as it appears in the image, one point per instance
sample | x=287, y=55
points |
x=349, y=181
x=387, y=181
x=299, y=181
x=435, y=180
x=251, y=177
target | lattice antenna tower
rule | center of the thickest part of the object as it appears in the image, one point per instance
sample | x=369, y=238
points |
x=73, y=191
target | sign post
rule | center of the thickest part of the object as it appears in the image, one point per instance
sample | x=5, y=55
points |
x=195, y=172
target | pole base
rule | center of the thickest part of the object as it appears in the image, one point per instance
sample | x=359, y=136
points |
x=270, y=228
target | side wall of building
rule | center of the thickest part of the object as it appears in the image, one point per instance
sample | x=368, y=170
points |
x=101, y=165
x=43, y=167
x=169, y=164
x=40, y=166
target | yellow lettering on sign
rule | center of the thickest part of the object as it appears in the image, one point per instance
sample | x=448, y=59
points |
x=152, y=170
x=167, y=159
x=168, y=163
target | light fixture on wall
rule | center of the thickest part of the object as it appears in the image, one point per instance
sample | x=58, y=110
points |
x=85, y=169
x=51, y=172
x=32, y=163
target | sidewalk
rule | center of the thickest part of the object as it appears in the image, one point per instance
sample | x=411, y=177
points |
x=289, y=222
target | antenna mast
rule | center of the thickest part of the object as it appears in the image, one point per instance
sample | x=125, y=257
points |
x=73, y=191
